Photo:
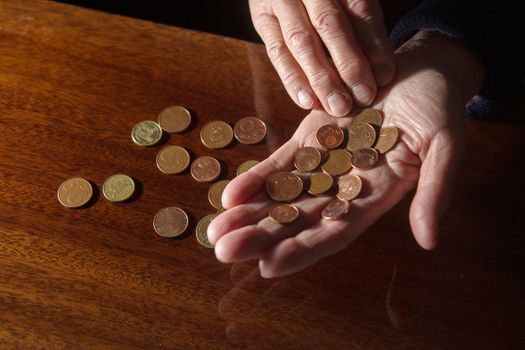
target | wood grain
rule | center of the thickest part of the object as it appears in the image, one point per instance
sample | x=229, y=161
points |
x=73, y=83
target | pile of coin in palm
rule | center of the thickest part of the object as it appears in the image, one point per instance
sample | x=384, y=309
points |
x=173, y=221
x=358, y=146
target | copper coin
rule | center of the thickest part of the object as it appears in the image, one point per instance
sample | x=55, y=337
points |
x=75, y=192
x=284, y=186
x=173, y=159
x=216, y=134
x=365, y=158
x=349, y=186
x=335, y=209
x=387, y=139
x=320, y=183
x=201, y=231
x=170, y=222
x=245, y=166
x=174, y=119
x=337, y=162
x=205, y=169
x=215, y=193
x=221, y=210
x=250, y=130
x=307, y=159
x=330, y=136
x=369, y=116
x=284, y=213
x=360, y=135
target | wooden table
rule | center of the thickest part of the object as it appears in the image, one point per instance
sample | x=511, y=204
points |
x=73, y=83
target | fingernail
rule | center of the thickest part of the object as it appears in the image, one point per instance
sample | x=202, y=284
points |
x=363, y=94
x=382, y=74
x=338, y=104
x=305, y=100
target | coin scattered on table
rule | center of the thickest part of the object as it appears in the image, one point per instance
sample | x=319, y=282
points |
x=75, y=192
x=284, y=213
x=349, y=186
x=205, y=169
x=201, y=231
x=330, y=136
x=173, y=159
x=365, y=158
x=175, y=119
x=369, y=116
x=307, y=159
x=216, y=134
x=337, y=162
x=387, y=138
x=250, y=130
x=215, y=193
x=118, y=188
x=320, y=183
x=360, y=135
x=170, y=222
x=245, y=166
x=284, y=186
x=335, y=209
x=146, y=133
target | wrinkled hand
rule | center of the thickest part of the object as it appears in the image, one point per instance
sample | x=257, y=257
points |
x=426, y=103
x=295, y=33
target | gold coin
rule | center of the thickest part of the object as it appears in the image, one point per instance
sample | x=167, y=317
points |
x=205, y=169
x=335, y=209
x=283, y=213
x=320, y=183
x=216, y=134
x=75, y=192
x=349, y=186
x=365, y=158
x=201, y=231
x=146, y=133
x=387, y=139
x=250, y=130
x=173, y=159
x=245, y=166
x=360, y=135
x=330, y=136
x=170, y=222
x=215, y=193
x=369, y=116
x=284, y=186
x=175, y=119
x=307, y=159
x=337, y=162
x=118, y=188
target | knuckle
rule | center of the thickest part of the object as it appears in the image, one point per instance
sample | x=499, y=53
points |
x=298, y=37
x=365, y=9
x=352, y=67
x=276, y=49
x=327, y=22
x=320, y=79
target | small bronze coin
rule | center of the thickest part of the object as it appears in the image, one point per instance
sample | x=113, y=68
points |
x=337, y=162
x=335, y=209
x=201, y=231
x=118, y=188
x=205, y=169
x=250, y=130
x=175, y=119
x=245, y=166
x=320, y=183
x=369, y=116
x=75, y=192
x=365, y=158
x=360, y=135
x=284, y=213
x=221, y=210
x=284, y=186
x=330, y=136
x=349, y=186
x=170, y=222
x=215, y=193
x=216, y=134
x=146, y=133
x=307, y=159
x=387, y=139
x=172, y=159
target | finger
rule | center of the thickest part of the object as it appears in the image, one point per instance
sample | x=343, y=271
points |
x=435, y=186
x=367, y=19
x=306, y=48
x=332, y=24
x=291, y=74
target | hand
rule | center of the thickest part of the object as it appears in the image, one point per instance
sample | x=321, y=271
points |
x=426, y=103
x=354, y=33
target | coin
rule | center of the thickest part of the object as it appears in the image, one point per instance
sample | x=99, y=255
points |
x=284, y=186
x=249, y=130
x=205, y=169
x=387, y=139
x=360, y=135
x=369, y=116
x=320, y=183
x=146, y=133
x=330, y=136
x=216, y=134
x=349, y=186
x=170, y=222
x=335, y=209
x=221, y=210
x=173, y=159
x=175, y=119
x=201, y=231
x=337, y=162
x=283, y=213
x=118, y=188
x=364, y=158
x=307, y=159
x=245, y=166
x=215, y=193
x=75, y=192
